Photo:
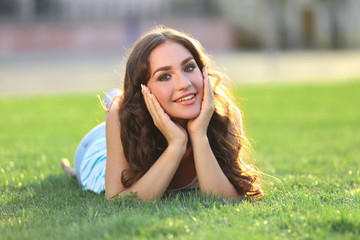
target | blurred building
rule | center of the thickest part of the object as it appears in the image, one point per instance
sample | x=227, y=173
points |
x=299, y=24
x=105, y=24
x=219, y=24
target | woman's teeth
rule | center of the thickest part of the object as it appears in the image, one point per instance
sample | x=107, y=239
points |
x=185, y=98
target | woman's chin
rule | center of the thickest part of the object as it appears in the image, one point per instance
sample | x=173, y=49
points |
x=194, y=116
x=185, y=117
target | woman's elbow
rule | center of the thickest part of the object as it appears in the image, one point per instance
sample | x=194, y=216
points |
x=110, y=194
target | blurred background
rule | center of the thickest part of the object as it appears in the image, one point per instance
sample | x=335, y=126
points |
x=49, y=46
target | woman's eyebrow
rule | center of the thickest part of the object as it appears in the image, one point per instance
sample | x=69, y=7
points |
x=186, y=60
x=169, y=67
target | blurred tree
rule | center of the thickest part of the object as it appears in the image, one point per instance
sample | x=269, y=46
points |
x=8, y=9
x=307, y=26
x=199, y=8
x=247, y=17
x=47, y=9
x=333, y=7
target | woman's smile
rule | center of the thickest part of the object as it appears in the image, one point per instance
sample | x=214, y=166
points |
x=187, y=100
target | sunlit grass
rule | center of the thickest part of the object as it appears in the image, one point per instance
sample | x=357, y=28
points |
x=305, y=137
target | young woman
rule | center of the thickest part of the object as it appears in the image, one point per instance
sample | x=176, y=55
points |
x=172, y=129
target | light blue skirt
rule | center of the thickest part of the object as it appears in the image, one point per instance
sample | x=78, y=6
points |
x=90, y=160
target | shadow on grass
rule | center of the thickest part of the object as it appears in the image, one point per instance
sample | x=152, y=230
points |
x=59, y=194
x=57, y=206
x=53, y=194
x=344, y=225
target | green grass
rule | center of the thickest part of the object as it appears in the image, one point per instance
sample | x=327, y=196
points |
x=308, y=137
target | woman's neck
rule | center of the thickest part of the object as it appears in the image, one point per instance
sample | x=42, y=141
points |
x=181, y=122
x=186, y=171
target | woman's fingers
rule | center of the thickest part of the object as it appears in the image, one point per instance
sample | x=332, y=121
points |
x=206, y=78
x=208, y=91
x=154, y=107
x=199, y=125
x=162, y=121
x=147, y=99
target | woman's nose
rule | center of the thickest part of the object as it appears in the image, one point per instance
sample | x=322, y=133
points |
x=182, y=82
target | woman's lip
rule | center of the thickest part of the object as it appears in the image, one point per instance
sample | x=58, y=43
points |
x=189, y=101
x=185, y=95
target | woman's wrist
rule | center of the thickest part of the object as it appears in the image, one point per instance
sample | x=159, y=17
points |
x=199, y=137
x=179, y=145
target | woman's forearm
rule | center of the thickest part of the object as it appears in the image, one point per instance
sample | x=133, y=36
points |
x=155, y=181
x=212, y=179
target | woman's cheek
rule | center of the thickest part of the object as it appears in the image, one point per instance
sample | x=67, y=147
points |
x=161, y=97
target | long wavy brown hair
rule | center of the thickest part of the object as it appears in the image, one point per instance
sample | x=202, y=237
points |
x=143, y=143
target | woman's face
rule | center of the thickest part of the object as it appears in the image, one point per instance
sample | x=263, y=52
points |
x=176, y=80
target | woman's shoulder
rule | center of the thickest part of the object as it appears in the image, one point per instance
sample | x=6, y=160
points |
x=113, y=110
x=112, y=121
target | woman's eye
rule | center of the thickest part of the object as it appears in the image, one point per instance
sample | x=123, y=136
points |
x=164, y=77
x=189, y=68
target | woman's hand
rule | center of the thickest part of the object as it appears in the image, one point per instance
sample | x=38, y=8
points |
x=197, y=127
x=173, y=132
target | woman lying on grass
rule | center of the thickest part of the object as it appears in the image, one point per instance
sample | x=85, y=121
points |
x=173, y=129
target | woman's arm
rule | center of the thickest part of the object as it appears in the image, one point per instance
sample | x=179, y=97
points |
x=115, y=160
x=212, y=179
x=155, y=181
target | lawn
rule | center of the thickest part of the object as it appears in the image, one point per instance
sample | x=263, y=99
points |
x=305, y=138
